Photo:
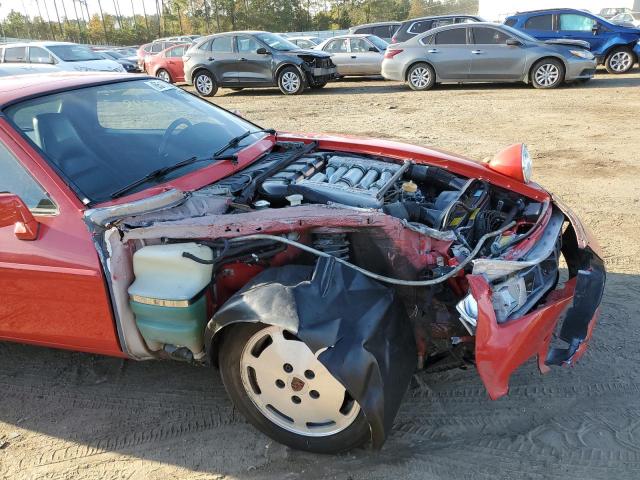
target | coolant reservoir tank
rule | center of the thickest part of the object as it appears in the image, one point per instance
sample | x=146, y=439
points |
x=167, y=295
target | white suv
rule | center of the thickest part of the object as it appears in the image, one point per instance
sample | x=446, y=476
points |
x=65, y=56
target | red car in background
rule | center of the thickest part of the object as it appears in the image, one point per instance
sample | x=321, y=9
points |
x=317, y=272
x=167, y=65
x=149, y=50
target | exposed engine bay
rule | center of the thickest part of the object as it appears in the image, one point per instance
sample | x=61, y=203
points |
x=300, y=219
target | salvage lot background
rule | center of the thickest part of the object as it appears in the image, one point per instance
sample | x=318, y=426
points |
x=70, y=415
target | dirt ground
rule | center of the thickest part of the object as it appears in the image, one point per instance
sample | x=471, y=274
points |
x=69, y=415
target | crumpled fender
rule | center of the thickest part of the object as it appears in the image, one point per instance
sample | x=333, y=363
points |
x=502, y=348
x=369, y=342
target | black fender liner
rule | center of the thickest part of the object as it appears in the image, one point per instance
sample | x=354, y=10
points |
x=369, y=341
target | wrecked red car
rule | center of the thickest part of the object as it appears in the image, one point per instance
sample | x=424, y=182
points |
x=316, y=272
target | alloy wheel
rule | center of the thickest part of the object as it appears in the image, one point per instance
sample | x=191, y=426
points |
x=621, y=61
x=547, y=74
x=420, y=77
x=290, y=82
x=287, y=383
x=164, y=75
x=204, y=84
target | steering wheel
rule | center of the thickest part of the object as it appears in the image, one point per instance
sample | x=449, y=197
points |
x=169, y=131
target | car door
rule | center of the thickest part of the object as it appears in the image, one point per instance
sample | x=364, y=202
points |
x=339, y=50
x=253, y=68
x=173, y=60
x=583, y=27
x=492, y=58
x=223, y=61
x=364, y=61
x=52, y=288
x=451, y=54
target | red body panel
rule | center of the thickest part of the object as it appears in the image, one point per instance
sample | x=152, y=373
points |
x=173, y=65
x=53, y=288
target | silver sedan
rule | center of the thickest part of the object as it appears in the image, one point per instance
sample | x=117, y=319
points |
x=486, y=52
x=355, y=55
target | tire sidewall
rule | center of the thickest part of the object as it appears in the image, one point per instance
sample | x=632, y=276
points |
x=214, y=87
x=165, y=71
x=230, y=352
x=432, y=77
x=542, y=63
x=629, y=52
x=294, y=70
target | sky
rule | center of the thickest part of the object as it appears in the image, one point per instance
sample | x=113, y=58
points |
x=31, y=7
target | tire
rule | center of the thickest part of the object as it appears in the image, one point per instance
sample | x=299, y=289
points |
x=421, y=77
x=620, y=60
x=162, y=74
x=547, y=73
x=290, y=81
x=291, y=400
x=205, y=84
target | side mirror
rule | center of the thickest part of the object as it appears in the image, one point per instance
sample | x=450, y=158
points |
x=374, y=49
x=263, y=51
x=512, y=42
x=596, y=28
x=13, y=211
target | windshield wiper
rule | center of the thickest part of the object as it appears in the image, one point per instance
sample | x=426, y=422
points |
x=218, y=155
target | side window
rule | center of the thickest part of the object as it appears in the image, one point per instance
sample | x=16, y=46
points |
x=359, y=45
x=428, y=40
x=576, y=23
x=442, y=22
x=205, y=45
x=175, y=52
x=365, y=30
x=15, y=54
x=453, y=36
x=15, y=179
x=420, y=27
x=540, y=22
x=247, y=44
x=489, y=36
x=464, y=20
x=39, y=55
x=511, y=22
x=156, y=47
x=383, y=31
x=336, y=46
x=222, y=45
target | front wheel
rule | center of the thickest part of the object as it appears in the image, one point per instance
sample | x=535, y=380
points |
x=205, y=84
x=421, y=77
x=290, y=81
x=281, y=387
x=620, y=60
x=547, y=73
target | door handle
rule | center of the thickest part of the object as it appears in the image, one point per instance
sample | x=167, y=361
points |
x=210, y=59
x=433, y=50
x=477, y=52
x=243, y=59
x=353, y=56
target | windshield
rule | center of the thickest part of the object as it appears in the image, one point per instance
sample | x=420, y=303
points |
x=103, y=138
x=73, y=53
x=277, y=42
x=378, y=42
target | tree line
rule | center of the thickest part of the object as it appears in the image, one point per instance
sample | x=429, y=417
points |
x=180, y=17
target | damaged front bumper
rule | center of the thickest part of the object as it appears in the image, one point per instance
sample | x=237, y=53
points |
x=567, y=315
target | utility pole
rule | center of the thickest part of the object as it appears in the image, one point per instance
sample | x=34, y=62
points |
x=39, y=11
x=115, y=7
x=104, y=25
x=159, y=18
x=146, y=20
x=26, y=20
x=2, y=28
x=66, y=17
x=135, y=22
x=58, y=17
x=75, y=11
x=46, y=9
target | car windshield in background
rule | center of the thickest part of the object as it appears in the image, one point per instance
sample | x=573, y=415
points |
x=73, y=53
x=277, y=42
x=103, y=138
x=378, y=42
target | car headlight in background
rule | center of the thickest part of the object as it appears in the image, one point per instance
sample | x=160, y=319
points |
x=586, y=54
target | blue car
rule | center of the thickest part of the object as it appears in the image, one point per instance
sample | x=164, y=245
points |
x=615, y=46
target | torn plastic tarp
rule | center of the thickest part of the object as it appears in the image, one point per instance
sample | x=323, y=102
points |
x=370, y=347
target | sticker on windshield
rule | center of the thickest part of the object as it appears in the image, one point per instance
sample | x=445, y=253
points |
x=160, y=85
